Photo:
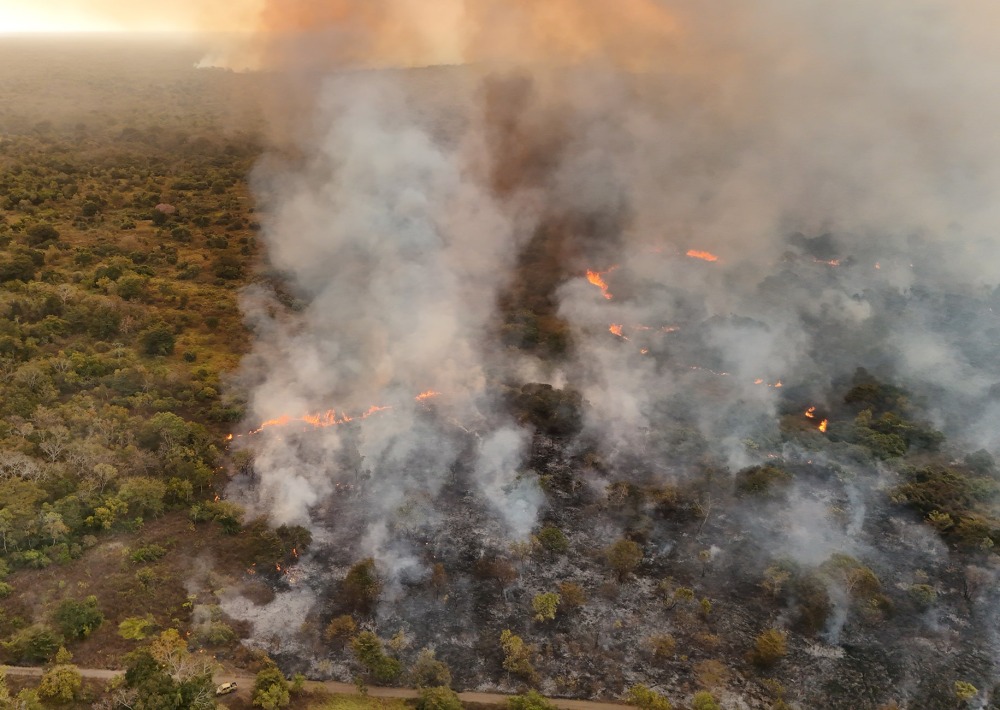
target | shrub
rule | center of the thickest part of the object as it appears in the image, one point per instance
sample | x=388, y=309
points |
x=147, y=553
x=552, y=539
x=135, y=628
x=545, y=606
x=270, y=690
x=770, y=647
x=428, y=671
x=340, y=628
x=646, y=699
x=703, y=700
x=438, y=698
x=517, y=655
x=368, y=650
x=61, y=684
x=624, y=557
x=36, y=643
x=157, y=340
x=532, y=700
x=362, y=586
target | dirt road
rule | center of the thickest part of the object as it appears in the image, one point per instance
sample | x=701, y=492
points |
x=246, y=682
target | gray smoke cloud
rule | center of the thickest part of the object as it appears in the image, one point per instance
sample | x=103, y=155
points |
x=838, y=159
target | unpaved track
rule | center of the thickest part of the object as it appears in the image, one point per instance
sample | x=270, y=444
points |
x=246, y=682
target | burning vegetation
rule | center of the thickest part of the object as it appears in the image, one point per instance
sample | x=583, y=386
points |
x=736, y=506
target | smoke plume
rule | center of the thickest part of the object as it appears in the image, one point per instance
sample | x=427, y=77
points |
x=767, y=196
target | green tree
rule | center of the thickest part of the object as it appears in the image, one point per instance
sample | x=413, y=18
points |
x=270, y=689
x=770, y=647
x=362, y=586
x=61, y=684
x=428, y=671
x=158, y=340
x=77, y=619
x=517, y=655
x=553, y=540
x=624, y=557
x=368, y=650
x=37, y=643
x=143, y=496
x=545, y=606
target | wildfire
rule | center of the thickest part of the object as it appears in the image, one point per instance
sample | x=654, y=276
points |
x=703, y=255
x=811, y=414
x=616, y=329
x=762, y=381
x=831, y=262
x=597, y=279
x=330, y=418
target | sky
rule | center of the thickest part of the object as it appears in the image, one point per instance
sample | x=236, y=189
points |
x=23, y=16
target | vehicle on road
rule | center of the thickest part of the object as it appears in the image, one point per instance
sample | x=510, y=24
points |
x=226, y=688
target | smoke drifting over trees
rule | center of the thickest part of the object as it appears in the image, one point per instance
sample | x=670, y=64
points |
x=433, y=228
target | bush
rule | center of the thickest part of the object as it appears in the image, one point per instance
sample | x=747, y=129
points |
x=158, y=340
x=135, y=628
x=36, y=644
x=770, y=647
x=762, y=480
x=368, y=650
x=532, y=700
x=438, y=698
x=517, y=655
x=428, y=671
x=340, y=628
x=624, y=557
x=362, y=586
x=61, y=684
x=270, y=690
x=646, y=699
x=553, y=540
x=147, y=553
x=545, y=606
x=703, y=700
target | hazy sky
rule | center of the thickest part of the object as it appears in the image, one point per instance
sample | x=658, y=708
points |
x=125, y=15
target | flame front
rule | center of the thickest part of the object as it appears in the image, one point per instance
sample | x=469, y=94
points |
x=703, y=255
x=823, y=425
x=616, y=329
x=329, y=418
x=811, y=412
x=597, y=279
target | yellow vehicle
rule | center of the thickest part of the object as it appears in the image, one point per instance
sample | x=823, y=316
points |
x=226, y=688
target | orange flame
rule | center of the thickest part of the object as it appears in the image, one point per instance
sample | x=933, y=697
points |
x=644, y=351
x=811, y=412
x=229, y=437
x=703, y=255
x=616, y=329
x=597, y=279
x=216, y=499
x=823, y=425
x=427, y=395
x=831, y=262
x=295, y=553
